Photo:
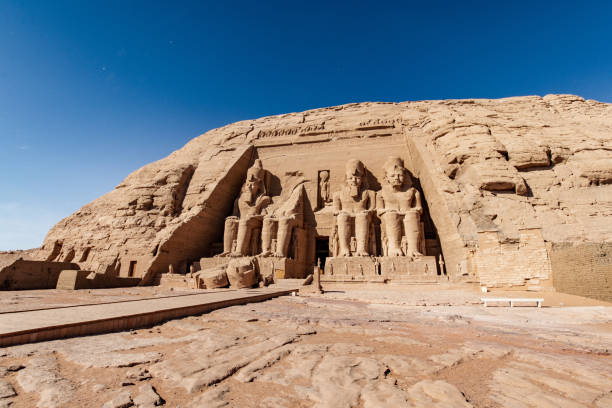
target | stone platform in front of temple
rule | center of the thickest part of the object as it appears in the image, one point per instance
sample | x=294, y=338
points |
x=382, y=269
x=278, y=267
x=268, y=269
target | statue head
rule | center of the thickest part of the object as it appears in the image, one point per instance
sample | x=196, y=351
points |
x=254, y=183
x=355, y=173
x=324, y=175
x=395, y=173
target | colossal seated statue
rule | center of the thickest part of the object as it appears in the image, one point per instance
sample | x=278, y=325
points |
x=279, y=224
x=249, y=210
x=353, y=207
x=398, y=205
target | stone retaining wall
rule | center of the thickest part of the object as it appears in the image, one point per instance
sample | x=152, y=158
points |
x=27, y=275
x=583, y=269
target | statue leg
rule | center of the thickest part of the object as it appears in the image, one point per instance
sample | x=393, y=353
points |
x=411, y=227
x=243, y=240
x=393, y=230
x=362, y=233
x=268, y=232
x=344, y=234
x=285, y=226
x=255, y=243
x=229, y=234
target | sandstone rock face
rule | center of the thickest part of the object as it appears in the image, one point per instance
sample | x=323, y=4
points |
x=502, y=181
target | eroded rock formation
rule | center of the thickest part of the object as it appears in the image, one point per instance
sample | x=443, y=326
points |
x=504, y=182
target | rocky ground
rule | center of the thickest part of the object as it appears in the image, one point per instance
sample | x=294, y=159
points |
x=21, y=300
x=354, y=349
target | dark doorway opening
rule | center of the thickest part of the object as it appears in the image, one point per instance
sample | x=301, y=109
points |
x=322, y=250
x=132, y=269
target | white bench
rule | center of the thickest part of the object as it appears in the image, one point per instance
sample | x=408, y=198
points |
x=512, y=301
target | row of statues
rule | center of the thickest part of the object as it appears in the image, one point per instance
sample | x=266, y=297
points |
x=254, y=217
x=257, y=226
x=397, y=204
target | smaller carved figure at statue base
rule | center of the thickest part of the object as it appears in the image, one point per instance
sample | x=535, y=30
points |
x=280, y=228
x=401, y=233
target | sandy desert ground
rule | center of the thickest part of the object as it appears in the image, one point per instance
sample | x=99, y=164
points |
x=361, y=348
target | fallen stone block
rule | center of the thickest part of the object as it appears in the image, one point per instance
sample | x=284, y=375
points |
x=242, y=273
x=215, y=278
x=121, y=400
x=147, y=397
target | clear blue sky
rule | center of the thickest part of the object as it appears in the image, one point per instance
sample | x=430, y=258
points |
x=92, y=90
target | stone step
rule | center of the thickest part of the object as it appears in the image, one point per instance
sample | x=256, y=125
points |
x=287, y=283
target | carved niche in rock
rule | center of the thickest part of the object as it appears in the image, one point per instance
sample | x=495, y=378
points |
x=353, y=208
x=324, y=198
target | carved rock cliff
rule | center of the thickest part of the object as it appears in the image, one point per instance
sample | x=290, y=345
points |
x=492, y=172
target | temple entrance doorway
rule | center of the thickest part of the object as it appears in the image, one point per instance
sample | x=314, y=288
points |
x=132, y=269
x=322, y=250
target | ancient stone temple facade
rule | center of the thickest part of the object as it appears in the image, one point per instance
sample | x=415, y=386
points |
x=266, y=231
x=490, y=191
x=379, y=236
